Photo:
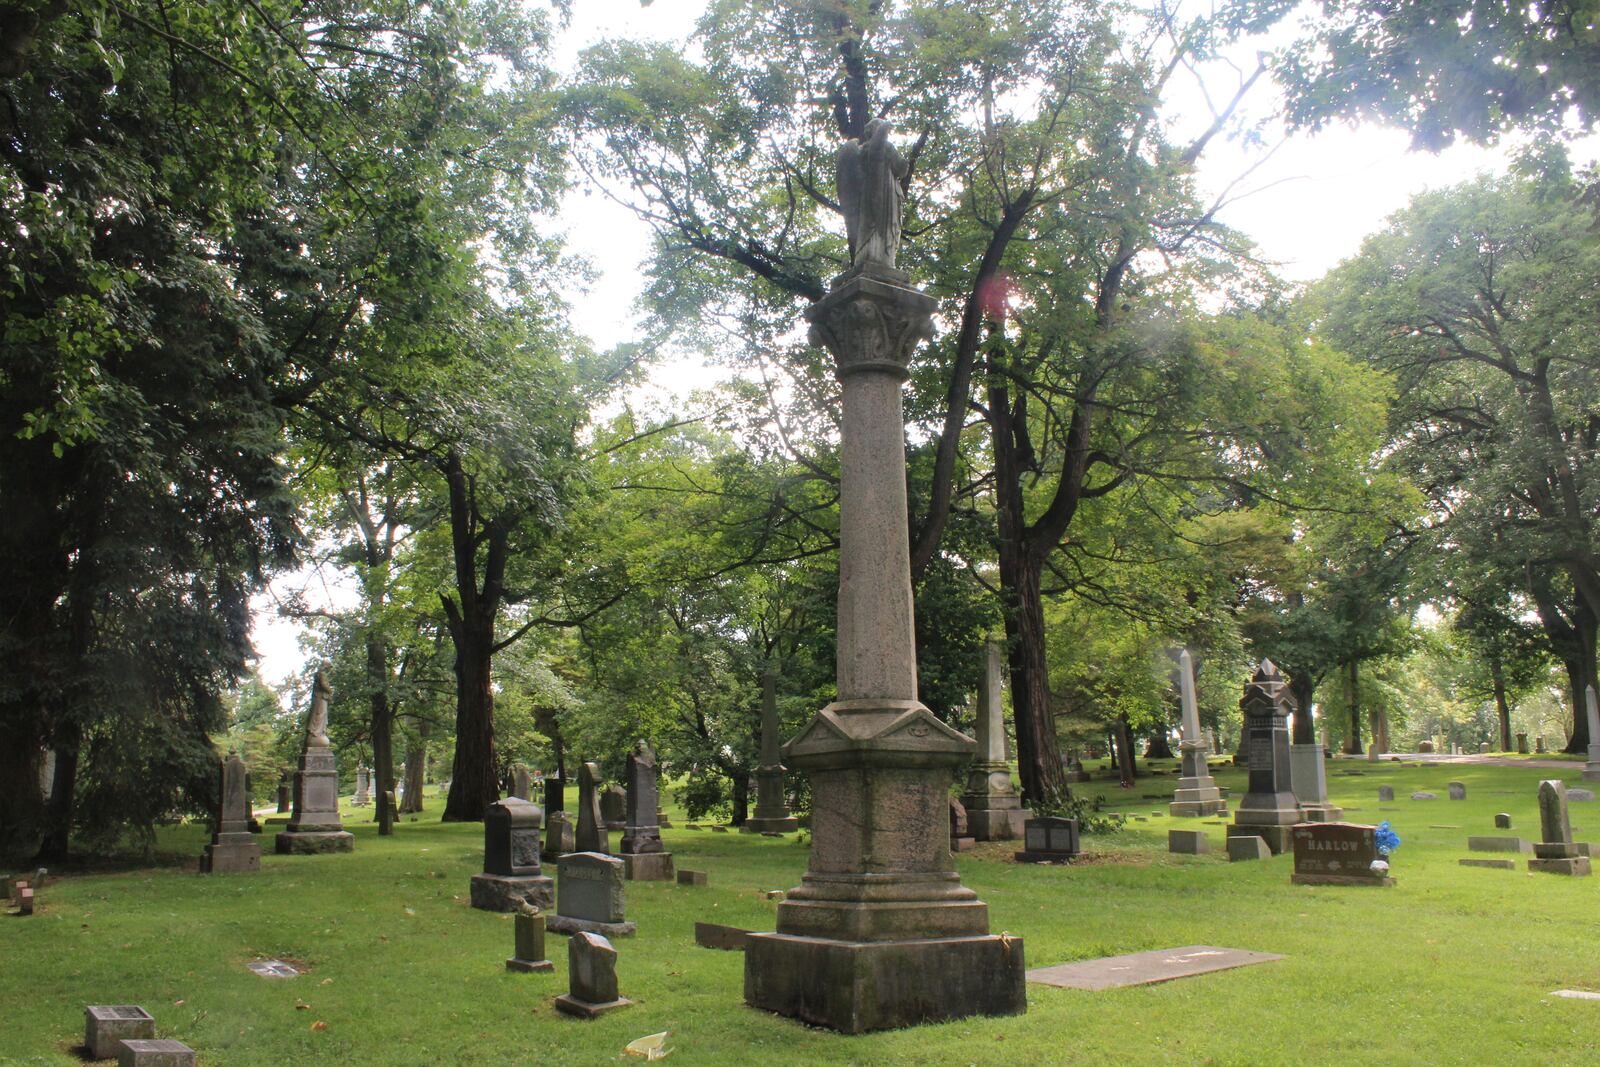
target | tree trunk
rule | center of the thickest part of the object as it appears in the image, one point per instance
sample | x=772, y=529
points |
x=1581, y=673
x=473, y=784
x=1126, y=765
x=741, y=797
x=382, y=730
x=1159, y=746
x=1304, y=693
x=1038, y=749
x=1501, y=706
x=1352, y=694
x=56, y=843
x=416, y=770
x=1111, y=750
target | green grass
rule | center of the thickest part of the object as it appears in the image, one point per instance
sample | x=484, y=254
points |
x=1453, y=965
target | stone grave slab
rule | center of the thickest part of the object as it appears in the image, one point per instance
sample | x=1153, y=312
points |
x=1499, y=865
x=1498, y=844
x=1048, y=840
x=715, y=935
x=1576, y=994
x=686, y=877
x=1147, y=968
x=106, y=1026
x=1247, y=847
x=273, y=969
x=155, y=1053
x=1188, y=842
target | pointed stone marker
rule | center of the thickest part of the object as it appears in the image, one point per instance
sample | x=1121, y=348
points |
x=1270, y=807
x=233, y=848
x=1556, y=854
x=593, y=834
x=994, y=811
x=1197, y=795
x=772, y=806
x=1591, y=770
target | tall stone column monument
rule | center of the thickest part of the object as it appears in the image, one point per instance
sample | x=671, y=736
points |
x=315, y=825
x=881, y=933
x=1197, y=794
x=1270, y=807
x=1591, y=770
x=994, y=811
x=772, y=808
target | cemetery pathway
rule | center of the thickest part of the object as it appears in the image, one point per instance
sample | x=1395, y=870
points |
x=1492, y=761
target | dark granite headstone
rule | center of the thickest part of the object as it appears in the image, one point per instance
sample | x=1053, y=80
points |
x=642, y=852
x=511, y=873
x=1048, y=840
x=1458, y=791
x=1502, y=821
x=1270, y=806
x=555, y=794
x=559, y=836
x=614, y=807
x=591, y=895
x=1337, y=853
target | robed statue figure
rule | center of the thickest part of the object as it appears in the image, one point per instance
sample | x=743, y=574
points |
x=872, y=197
x=317, y=721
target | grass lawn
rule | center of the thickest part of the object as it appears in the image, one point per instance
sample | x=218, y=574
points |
x=1453, y=965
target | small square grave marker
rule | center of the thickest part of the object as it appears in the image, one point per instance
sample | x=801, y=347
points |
x=153, y=1053
x=106, y=1026
x=274, y=969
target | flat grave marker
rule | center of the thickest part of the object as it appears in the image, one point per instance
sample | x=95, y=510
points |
x=1147, y=968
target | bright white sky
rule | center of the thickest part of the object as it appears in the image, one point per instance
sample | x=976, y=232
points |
x=1319, y=196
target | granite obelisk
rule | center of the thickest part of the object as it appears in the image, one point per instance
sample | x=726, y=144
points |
x=1197, y=794
x=881, y=933
x=772, y=808
x=994, y=811
x=1591, y=770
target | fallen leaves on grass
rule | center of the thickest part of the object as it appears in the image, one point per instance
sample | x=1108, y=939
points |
x=319, y=1025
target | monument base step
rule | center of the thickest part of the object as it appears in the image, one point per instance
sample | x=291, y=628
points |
x=567, y=1004
x=997, y=824
x=231, y=859
x=301, y=843
x=647, y=866
x=1339, y=879
x=529, y=966
x=1197, y=809
x=1276, y=837
x=498, y=892
x=1321, y=813
x=770, y=826
x=962, y=844
x=1578, y=866
x=557, y=923
x=858, y=986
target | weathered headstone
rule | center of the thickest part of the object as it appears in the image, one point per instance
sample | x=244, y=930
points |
x=1502, y=821
x=592, y=977
x=1247, y=847
x=1458, y=790
x=644, y=858
x=315, y=824
x=879, y=761
x=521, y=782
x=1270, y=807
x=614, y=807
x=1538, y=745
x=1385, y=793
x=107, y=1026
x=590, y=896
x=559, y=837
x=1188, y=842
x=1522, y=744
x=1580, y=796
x=529, y=956
x=961, y=837
x=1483, y=748
x=1309, y=777
x=1338, y=853
x=155, y=1052
x=772, y=805
x=1591, y=702
x=593, y=835
x=1197, y=795
x=233, y=849
x=363, y=788
x=1373, y=753
x=1555, y=853
x=1049, y=840
x=993, y=809
x=511, y=872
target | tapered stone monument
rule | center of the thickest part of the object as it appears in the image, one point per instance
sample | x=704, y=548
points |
x=881, y=933
x=1270, y=807
x=233, y=848
x=363, y=795
x=315, y=824
x=1556, y=853
x=521, y=782
x=1591, y=770
x=1309, y=776
x=644, y=858
x=592, y=834
x=1197, y=794
x=994, y=811
x=772, y=807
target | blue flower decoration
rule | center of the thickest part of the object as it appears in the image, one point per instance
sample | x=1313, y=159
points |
x=1386, y=838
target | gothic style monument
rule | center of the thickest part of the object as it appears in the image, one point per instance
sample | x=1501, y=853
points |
x=315, y=825
x=772, y=808
x=1197, y=793
x=644, y=858
x=881, y=933
x=994, y=811
x=1270, y=807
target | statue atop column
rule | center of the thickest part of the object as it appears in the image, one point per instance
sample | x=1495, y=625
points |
x=317, y=721
x=872, y=197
